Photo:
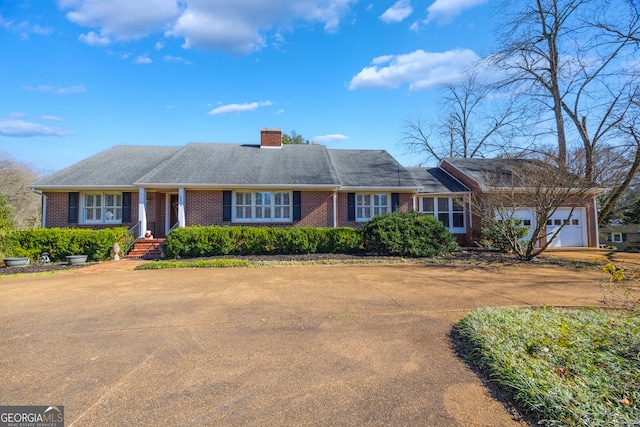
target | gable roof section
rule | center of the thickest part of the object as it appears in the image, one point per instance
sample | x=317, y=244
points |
x=489, y=173
x=371, y=169
x=231, y=165
x=437, y=181
x=117, y=167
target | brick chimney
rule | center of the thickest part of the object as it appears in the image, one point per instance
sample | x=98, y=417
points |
x=270, y=138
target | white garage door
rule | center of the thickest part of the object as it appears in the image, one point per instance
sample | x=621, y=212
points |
x=573, y=232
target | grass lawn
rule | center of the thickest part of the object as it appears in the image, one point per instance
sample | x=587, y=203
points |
x=569, y=367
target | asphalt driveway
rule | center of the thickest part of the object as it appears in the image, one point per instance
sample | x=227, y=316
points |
x=332, y=345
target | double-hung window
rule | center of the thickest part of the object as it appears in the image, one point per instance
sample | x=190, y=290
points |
x=262, y=206
x=368, y=205
x=448, y=210
x=102, y=208
x=616, y=237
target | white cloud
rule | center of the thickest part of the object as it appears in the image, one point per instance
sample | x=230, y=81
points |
x=335, y=137
x=420, y=70
x=398, y=12
x=239, y=108
x=122, y=19
x=142, y=59
x=57, y=90
x=25, y=28
x=444, y=11
x=177, y=59
x=93, y=39
x=23, y=129
x=228, y=25
x=53, y=118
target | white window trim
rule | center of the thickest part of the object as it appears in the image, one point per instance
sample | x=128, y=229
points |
x=450, y=212
x=103, y=209
x=272, y=206
x=373, y=205
x=616, y=237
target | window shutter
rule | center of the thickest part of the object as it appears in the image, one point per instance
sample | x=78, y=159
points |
x=72, y=212
x=395, y=201
x=624, y=237
x=297, y=206
x=226, y=205
x=126, y=206
x=351, y=206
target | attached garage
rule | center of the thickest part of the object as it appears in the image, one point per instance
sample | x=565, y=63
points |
x=573, y=233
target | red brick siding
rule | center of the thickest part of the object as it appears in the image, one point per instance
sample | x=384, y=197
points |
x=271, y=138
x=317, y=209
x=203, y=207
x=58, y=209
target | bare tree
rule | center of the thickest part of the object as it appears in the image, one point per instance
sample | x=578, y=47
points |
x=476, y=122
x=15, y=177
x=537, y=187
x=575, y=59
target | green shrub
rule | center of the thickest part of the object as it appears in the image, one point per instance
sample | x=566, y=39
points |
x=407, y=234
x=60, y=242
x=200, y=241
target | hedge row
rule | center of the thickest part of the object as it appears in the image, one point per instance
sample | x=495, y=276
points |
x=60, y=242
x=200, y=241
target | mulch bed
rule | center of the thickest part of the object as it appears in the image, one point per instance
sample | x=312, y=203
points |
x=469, y=256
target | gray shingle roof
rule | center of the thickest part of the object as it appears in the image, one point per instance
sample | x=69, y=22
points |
x=232, y=165
x=119, y=166
x=492, y=172
x=435, y=180
x=370, y=168
x=200, y=164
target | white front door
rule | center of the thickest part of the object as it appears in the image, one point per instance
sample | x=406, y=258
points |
x=573, y=232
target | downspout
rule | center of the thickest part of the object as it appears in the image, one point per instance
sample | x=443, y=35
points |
x=44, y=207
x=335, y=208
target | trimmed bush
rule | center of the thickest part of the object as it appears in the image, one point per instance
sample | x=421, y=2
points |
x=60, y=242
x=200, y=241
x=407, y=234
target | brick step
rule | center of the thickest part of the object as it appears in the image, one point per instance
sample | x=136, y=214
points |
x=146, y=249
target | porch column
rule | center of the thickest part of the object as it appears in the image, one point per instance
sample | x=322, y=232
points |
x=335, y=208
x=181, y=201
x=142, y=212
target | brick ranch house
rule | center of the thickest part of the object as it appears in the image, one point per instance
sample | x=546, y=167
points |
x=275, y=184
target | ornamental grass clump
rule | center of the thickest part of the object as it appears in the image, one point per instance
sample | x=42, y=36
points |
x=565, y=367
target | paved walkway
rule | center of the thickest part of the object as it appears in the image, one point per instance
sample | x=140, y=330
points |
x=321, y=345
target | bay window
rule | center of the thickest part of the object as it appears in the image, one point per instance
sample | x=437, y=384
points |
x=448, y=210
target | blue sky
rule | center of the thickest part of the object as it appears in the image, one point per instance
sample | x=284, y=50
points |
x=80, y=76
